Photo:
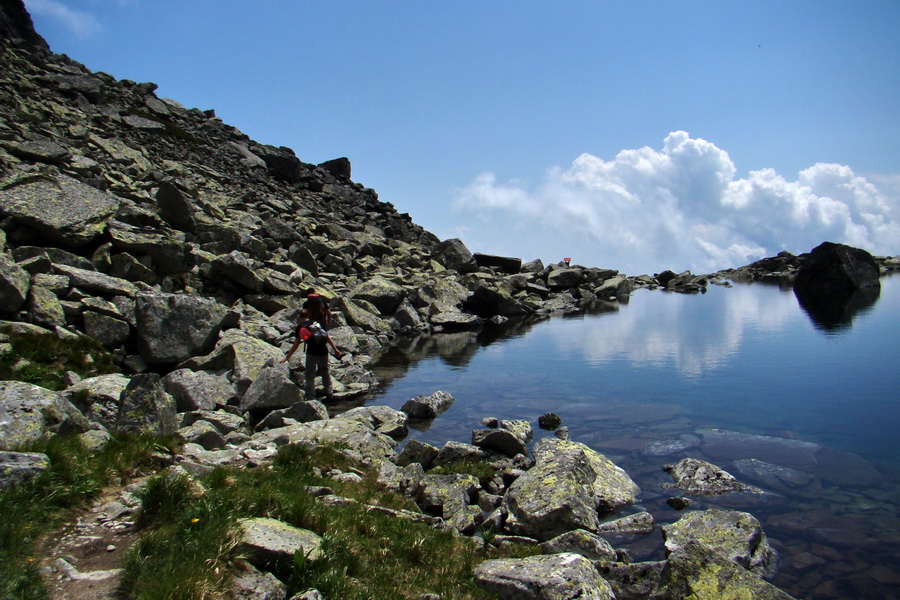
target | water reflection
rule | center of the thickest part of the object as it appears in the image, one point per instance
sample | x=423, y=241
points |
x=835, y=312
x=696, y=334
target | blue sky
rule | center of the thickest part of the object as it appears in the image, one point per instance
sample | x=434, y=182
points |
x=637, y=135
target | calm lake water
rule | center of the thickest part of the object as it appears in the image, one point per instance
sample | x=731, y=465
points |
x=736, y=373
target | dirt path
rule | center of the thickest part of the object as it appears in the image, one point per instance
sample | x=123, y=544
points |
x=82, y=560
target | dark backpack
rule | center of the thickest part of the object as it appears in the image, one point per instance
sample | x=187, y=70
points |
x=314, y=333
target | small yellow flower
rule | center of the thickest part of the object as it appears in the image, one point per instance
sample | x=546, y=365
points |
x=30, y=560
x=195, y=520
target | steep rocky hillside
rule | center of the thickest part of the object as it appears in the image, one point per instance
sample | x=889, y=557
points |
x=115, y=202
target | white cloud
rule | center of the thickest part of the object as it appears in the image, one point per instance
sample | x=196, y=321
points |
x=679, y=207
x=80, y=23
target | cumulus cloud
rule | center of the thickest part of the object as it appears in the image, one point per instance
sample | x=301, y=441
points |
x=80, y=23
x=679, y=207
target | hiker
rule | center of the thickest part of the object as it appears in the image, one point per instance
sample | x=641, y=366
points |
x=311, y=298
x=313, y=331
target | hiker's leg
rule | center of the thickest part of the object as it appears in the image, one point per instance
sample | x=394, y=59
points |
x=310, y=387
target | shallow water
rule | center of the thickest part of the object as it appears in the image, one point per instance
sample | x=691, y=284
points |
x=749, y=360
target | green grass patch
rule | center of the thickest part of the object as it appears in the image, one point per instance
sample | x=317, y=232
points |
x=74, y=478
x=189, y=540
x=479, y=469
x=43, y=359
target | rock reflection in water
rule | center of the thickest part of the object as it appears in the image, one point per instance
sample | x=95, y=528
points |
x=835, y=312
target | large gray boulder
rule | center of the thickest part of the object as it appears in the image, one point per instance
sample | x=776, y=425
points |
x=511, y=438
x=836, y=269
x=272, y=389
x=174, y=327
x=427, y=407
x=175, y=207
x=569, y=487
x=29, y=412
x=236, y=267
x=564, y=278
x=697, y=571
x=383, y=294
x=454, y=255
x=63, y=209
x=99, y=283
x=14, y=284
x=735, y=535
x=18, y=467
x=167, y=249
x=198, y=390
x=98, y=397
x=488, y=302
x=145, y=407
x=238, y=352
x=355, y=438
x=265, y=541
x=582, y=542
x=545, y=577
x=506, y=264
x=382, y=419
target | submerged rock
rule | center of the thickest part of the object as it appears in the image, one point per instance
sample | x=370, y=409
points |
x=701, y=478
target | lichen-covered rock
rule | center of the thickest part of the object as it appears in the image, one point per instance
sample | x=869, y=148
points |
x=44, y=307
x=354, y=438
x=19, y=467
x=582, y=542
x=168, y=250
x=265, y=540
x=248, y=583
x=698, y=572
x=198, y=390
x=14, y=284
x=453, y=254
x=546, y=577
x=382, y=419
x=236, y=351
x=273, y=388
x=92, y=281
x=98, y=397
x=145, y=407
x=735, y=535
x=511, y=438
x=427, y=407
x=568, y=488
x=382, y=293
x=639, y=523
x=108, y=330
x=29, y=412
x=175, y=327
x=61, y=208
x=419, y=452
x=204, y=434
x=564, y=278
x=701, y=478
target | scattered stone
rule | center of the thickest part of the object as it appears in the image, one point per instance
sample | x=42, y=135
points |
x=546, y=577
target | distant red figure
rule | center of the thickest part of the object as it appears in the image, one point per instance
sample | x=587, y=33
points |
x=567, y=261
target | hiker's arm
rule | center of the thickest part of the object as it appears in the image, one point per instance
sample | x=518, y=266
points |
x=337, y=353
x=293, y=349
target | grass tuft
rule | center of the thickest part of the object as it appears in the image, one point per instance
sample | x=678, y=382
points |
x=43, y=359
